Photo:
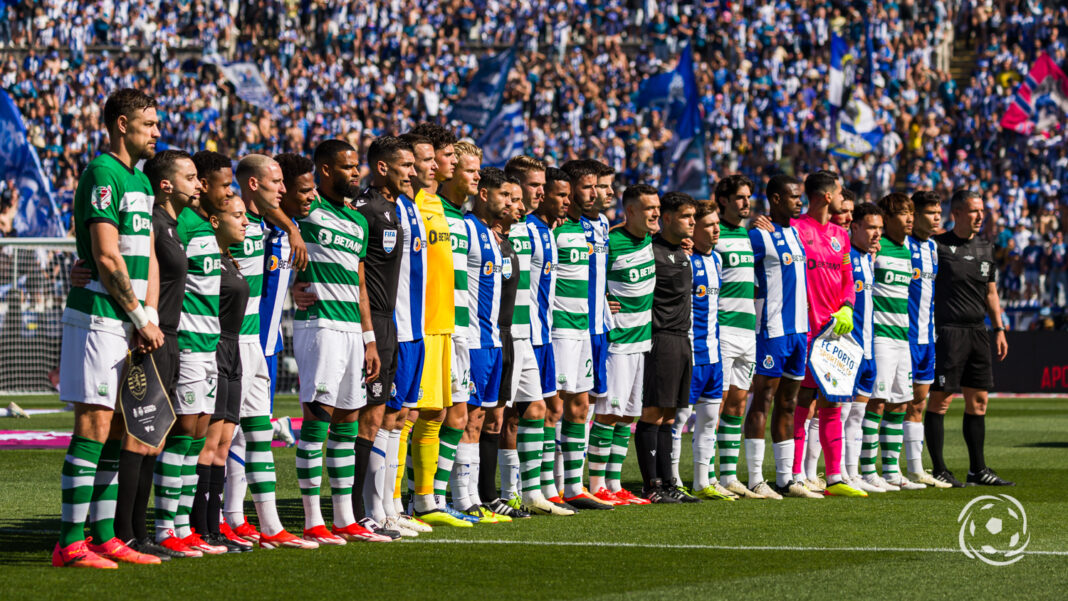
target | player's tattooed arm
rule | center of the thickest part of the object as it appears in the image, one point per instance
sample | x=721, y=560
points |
x=118, y=284
x=111, y=265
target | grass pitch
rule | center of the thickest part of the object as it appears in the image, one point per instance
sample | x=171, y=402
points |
x=897, y=545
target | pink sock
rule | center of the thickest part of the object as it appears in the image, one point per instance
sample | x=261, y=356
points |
x=831, y=441
x=800, y=415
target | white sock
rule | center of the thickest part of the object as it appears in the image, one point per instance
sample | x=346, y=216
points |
x=236, y=484
x=461, y=477
x=508, y=459
x=374, y=481
x=784, y=459
x=812, y=449
x=704, y=442
x=754, y=459
x=914, y=446
x=681, y=417
x=390, y=475
x=472, y=479
x=853, y=438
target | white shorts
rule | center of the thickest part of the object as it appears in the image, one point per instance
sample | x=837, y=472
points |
x=739, y=357
x=90, y=366
x=330, y=363
x=893, y=371
x=255, y=381
x=526, y=379
x=574, y=365
x=624, y=397
x=461, y=371
x=198, y=383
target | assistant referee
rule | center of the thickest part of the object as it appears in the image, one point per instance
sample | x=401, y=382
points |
x=965, y=291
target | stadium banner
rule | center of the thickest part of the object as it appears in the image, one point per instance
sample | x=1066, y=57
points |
x=834, y=362
x=37, y=215
x=485, y=90
x=858, y=134
x=250, y=86
x=674, y=94
x=1041, y=101
x=504, y=136
x=1037, y=363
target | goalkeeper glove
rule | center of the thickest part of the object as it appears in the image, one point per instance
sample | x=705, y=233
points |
x=843, y=320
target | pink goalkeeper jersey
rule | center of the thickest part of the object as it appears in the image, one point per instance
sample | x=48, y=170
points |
x=829, y=273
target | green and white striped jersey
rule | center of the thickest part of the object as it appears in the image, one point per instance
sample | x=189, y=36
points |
x=571, y=306
x=110, y=192
x=737, y=312
x=198, y=326
x=519, y=236
x=249, y=256
x=890, y=292
x=336, y=238
x=631, y=280
x=460, y=245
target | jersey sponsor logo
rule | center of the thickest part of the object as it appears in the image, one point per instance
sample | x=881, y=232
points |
x=140, y=223
x=325, y=238
x=836, y=246
x=891, y=277
x=487, y=269
x=417, y=245
x=101, y=197
x=701, y=292
x=506, y=268
x=458, y=243
x=389, y=240
x=211, y=265
x=917, y=274
x=736, y=259
x=548, y=268
x=769, y=362
x=636, y=274
x=817, y=264
x=250, y=246
x=435, y=237
x=787, y=259
x=577, y=256
x=858, y=285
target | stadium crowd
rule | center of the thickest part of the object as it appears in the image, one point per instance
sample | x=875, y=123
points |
x=762, y=70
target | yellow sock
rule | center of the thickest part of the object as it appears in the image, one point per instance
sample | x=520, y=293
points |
x=402, y=457
x=425, y=454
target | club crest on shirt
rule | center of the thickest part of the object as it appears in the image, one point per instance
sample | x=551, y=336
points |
x=769, y=362
x=836, y=246
x=389, y=240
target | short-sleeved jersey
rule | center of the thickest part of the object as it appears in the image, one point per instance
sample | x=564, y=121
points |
x=336, y=238
x=249, y=255
x=440, y=282
x=924, y=255
x=460, y=243
x=571, y=305
x=483, y=273
x=631, y=279
x=198, y=328
x=233, y=297
x=966, y=268
x=277, y=277
x=381, y=266
x=781, y=293
x=828, y=273
x=597, y=238
x=890, y=292
x=737, y=311
x=519, y=240
x=509, y=285
x=410, y=312
x=110, y=192
x=863, y=278
x=674, y=286
x=173, y=267
x=542, y=280
x=704, y=330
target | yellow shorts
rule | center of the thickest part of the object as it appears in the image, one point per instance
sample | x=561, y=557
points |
x=437, y=372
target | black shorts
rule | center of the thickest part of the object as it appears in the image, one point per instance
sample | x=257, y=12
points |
x=166, y=358
x=668, y=371
x=962, y=359
x=228, y=391
x=508, y=358
x=379, y=391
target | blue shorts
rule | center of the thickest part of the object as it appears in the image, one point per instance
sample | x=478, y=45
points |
x=865, y=378
x=547, y=368
x=784, y=356
x=923, y=363
x=272, y=369
x=486, y=367
x=406, y=384
x=599, y=346
x=706, y=382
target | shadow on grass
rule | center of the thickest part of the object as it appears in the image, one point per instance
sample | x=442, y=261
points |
x=28, y=542
x=1045, y=445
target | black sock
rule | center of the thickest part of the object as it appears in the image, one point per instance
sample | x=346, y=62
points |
x=198, y=516
x=974, y=437
x=645, y=446
x=363, y=455
x=663, y=453
x=487, y=474
x=139, y=511
x=129, y=474
x=215, y=495
x=934, y=431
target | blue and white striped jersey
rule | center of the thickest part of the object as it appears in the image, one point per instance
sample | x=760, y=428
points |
x=863, y=278
x=704, y=325
x=597, y=238
x=542, y=280
x=484, y=265
x=921, y=290
x=409, y=313
x=277, y=277
x=781, y=295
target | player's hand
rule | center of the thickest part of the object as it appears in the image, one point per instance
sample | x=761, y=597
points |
x=302, y=297
x=80, y=275
x=687, y=245
x=1002, y=344
x=763, y=223
x=149, y=338
x=843, y=320
x=614, y=306
x=371, y=363
x=298, y=255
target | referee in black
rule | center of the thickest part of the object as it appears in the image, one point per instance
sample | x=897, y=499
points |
x=965, y=292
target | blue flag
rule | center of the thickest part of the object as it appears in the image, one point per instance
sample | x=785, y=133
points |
x=504, y=136
x=675, y=94
x=836, y=81
x=485, y=90
x=37, y=215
